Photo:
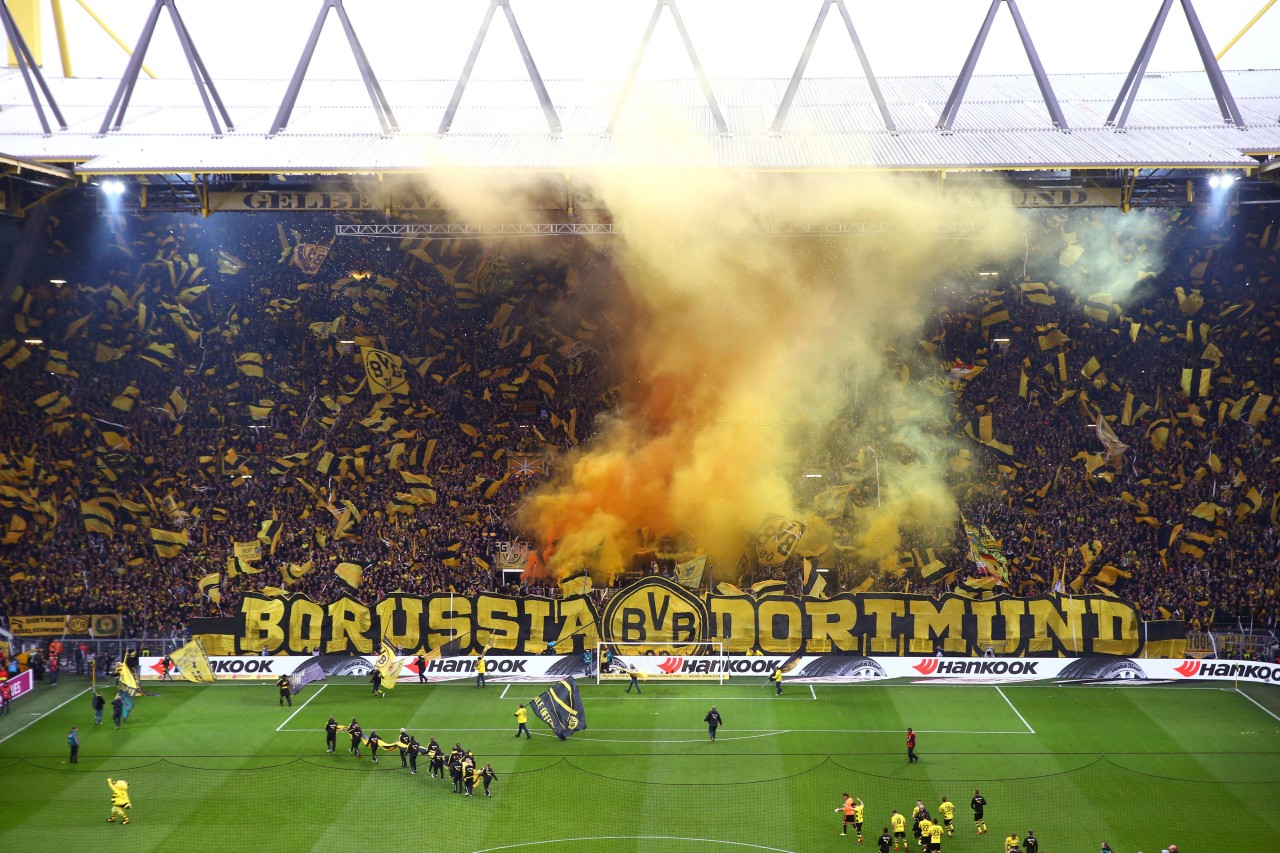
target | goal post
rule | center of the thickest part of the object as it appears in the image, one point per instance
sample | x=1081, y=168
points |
x=654, y=662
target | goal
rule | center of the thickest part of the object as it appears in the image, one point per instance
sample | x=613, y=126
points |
x=654, y=661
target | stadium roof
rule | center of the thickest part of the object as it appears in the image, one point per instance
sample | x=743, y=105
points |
x=833, y=124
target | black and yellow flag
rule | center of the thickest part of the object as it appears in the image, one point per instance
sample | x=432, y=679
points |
x=350, y=574
x=193, y=663
x=385, y=372
x=167, y=543
x=560, y=707
x=1196, y=381
x=210, y=585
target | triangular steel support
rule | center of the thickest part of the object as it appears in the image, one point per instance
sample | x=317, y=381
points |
x=380, y=104
x=693, y=57
x=31, y=74
x=548, y=108
x=1129, y=91
x=204, y=83
x=783, y=108
x=952, y=107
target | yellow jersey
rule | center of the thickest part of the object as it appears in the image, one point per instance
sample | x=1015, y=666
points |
x=1010, y=843
x=925, y=826
x=899, y=823
x=522, y=716
x=948, y=809
x=857, y=812
x=935, y=833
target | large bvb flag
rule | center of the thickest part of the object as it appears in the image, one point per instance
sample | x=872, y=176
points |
x=560, y=707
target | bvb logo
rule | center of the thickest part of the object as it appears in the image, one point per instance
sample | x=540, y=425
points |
x=658, y=612
x=573, y=722
x=77, y=625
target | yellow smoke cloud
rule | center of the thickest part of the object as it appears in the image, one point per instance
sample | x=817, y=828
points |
x=745, y=346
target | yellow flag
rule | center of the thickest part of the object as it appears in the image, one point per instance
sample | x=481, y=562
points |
x=193, y=663
x=389, y=665
x=350, y=573
x=385, y=371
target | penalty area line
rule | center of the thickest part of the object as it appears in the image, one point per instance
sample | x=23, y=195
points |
x=504, y=691
x=45, y=714
x=300, y=707
x=1016, y=711
x=1264, y=708
x=518, y=845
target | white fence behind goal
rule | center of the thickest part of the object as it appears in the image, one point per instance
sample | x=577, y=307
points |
x=650, y=661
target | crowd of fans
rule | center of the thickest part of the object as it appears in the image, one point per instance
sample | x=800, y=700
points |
x=507, y=356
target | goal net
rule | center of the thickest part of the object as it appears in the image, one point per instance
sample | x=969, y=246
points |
x=616, y=661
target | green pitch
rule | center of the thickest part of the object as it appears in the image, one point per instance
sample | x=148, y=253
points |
x=224, y=767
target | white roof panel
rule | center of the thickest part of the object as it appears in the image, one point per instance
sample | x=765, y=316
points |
x=833, y=124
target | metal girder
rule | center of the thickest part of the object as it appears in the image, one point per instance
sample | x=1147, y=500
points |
x=952, y=107
x=30, y=71
x=204, y=83
x=380, y=105
x=456, y=229
x=570, y=229
x=784, y=107
x=712, y=104
x=1129, y=91
x=548, y=108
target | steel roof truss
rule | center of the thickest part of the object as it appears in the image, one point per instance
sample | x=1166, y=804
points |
x=1129, y=91
x=780, y=118
x=548, y=108
x=712, y=104
x=204, y=83
x=952, y=107
x=380, y=104
x=31, y=75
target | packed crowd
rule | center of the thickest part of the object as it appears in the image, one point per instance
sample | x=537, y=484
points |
x=185, y=367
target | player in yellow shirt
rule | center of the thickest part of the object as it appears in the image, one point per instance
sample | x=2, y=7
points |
x=948, y=811
x=935, y=838
x=926, y=825
x=1011, y=843
x=119, y=800
x=899, y=822
x=859, y=809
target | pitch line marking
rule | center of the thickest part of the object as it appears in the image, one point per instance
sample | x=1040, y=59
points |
x=1259, y=704
x=504, y=691
x=813, y=693
x=300, y=707
x=45, y=714
x=685, y=740
x=1016, y=711
x=772, y=731
x=633, y=838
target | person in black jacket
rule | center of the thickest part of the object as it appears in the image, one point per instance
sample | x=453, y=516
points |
x=404, y=749
x=713, y=721
x=486, y=776
x=99, y=704
x=357, y=734
x=117, y=710
x=286, y=693
x=331, y=735
x=413, y=750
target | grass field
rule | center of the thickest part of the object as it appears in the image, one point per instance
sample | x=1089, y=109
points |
x=223, y=767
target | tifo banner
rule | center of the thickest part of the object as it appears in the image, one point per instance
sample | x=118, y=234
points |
x=810, y=669
x=61, y=624
x=680, y=621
